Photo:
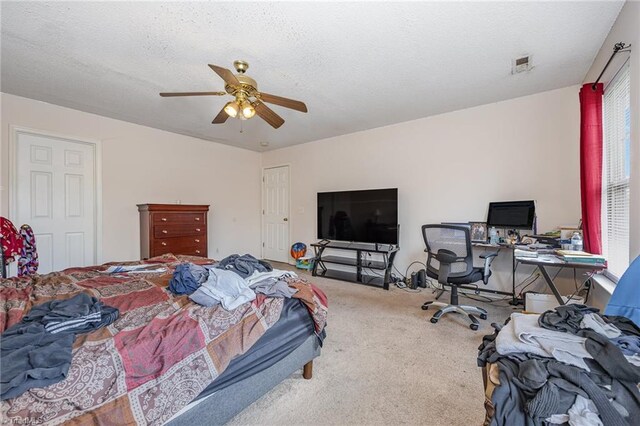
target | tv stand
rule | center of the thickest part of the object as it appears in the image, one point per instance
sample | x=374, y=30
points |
x=365, y=269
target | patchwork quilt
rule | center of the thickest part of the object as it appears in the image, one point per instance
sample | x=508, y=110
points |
x=151, y=362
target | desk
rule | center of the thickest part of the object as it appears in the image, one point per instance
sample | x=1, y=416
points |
x=540, y=263
x=543, y=263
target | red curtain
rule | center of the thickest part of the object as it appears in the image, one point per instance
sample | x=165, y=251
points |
x=591, y=166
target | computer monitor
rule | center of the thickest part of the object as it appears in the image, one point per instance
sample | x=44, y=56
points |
x=512, y=214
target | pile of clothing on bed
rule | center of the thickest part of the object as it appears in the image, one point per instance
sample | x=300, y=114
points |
x=37, y=351
x=568, y=365
x=231, y=282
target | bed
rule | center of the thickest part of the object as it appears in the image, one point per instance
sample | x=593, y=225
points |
x=166, y=359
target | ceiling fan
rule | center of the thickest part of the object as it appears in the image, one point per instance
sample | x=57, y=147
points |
x=248, y=100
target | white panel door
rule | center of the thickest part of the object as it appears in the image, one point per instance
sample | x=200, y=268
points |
x=275, y=217
x=55, y=194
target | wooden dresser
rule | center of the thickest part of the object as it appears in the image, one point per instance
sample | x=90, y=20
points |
x=173, y=228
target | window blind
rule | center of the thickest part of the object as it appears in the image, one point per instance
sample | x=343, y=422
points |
x=616, y=170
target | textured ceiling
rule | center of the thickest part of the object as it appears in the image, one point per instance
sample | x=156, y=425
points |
x=356, y=65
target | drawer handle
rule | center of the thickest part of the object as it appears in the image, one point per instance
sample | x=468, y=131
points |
x=197, y=229
x=197, y=240
x=164, y=231
x=198, y=251
x=164, y=244
x=197, y=218
x=164, y=219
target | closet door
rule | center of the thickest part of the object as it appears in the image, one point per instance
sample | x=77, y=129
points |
x=56, y=194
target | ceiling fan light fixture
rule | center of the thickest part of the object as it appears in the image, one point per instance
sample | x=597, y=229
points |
x=232, y=109
x=248, y=110
x=248, y=101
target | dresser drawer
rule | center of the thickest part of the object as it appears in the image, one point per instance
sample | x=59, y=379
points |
x=195, y=246
x=179, y=218
x=167, y=230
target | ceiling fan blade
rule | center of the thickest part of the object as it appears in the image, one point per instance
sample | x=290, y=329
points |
x=221, y=117
x=165, y=94
x=268, y=115
x=285, y=102
x=226, y=75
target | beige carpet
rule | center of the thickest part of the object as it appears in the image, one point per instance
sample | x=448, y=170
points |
x=383, y=362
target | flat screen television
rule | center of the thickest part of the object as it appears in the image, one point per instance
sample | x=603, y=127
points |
x=369, y=216
x=512, y=214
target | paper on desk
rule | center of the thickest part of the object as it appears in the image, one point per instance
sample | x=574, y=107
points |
x=524, y=253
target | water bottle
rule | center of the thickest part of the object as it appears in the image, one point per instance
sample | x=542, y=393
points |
x=576, y=241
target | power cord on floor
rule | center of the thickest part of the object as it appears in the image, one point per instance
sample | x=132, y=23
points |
x=400, y=281
x=401, y=285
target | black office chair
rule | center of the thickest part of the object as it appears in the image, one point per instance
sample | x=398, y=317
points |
x=450, y=261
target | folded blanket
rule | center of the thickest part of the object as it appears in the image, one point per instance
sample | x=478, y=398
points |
x=523, y=334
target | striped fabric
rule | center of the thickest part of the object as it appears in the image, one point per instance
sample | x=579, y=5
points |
x=71, y=325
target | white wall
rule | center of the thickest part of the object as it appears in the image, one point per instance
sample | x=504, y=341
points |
x=626, y=29
x=446, y=167
x=145, y=165
x=449, y=167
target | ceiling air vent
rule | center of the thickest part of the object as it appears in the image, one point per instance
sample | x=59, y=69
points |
x=521, y=64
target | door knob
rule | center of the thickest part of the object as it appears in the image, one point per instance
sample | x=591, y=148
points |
x=197, y=240
x=164, y=231
x=286, y=219
x=197, y=218
x=164, y=219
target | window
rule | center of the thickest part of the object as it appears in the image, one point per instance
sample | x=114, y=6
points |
x=615, y=172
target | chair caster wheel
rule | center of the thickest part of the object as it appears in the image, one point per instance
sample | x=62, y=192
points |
x=425, y=307
x=474, y=327
x=433, y=320
x=483, y=316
